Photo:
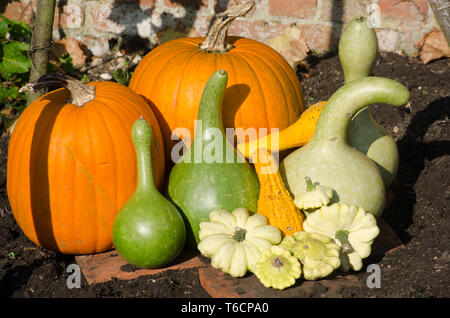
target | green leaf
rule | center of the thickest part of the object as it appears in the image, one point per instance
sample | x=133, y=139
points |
x=4, y=72
x=14, y=46
x=67, y=63
x=3, y=92
x=122, y=76
x=12, y=92
x=14, y=59
x=4, y=26
x=19, y=30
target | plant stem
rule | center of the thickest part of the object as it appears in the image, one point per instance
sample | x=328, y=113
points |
x=309, y=185
x=41, y=41
x=342, y=236
x=239, y=234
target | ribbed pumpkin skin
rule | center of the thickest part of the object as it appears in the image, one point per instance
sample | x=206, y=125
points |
x=70, y=169
x=263, y=90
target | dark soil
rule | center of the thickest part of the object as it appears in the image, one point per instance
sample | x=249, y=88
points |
x=419, y=213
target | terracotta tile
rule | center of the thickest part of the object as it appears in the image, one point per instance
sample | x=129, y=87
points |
x=220, y=285
x=102, y=267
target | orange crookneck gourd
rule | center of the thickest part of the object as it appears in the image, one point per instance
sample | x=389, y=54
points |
x=275, y=202
x=296, y=135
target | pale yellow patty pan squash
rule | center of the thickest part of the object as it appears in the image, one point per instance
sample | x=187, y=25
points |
x=318, y=254
x=352, y=228
x=313, y=196
x=277, y=268
x=235, y=240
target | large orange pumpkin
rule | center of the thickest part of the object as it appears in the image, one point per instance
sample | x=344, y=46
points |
x=72, y=163
x=263, y=90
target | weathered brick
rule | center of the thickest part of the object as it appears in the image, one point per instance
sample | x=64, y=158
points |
x=200, y=26
x=387, y=40
x=101, y=17
x=256, y=30
x=20, y=11
x=409, y=36
x=23, y=11
x=99, y=46
x=423, y=6
x=408, y=19
x=72, y=16
x=304, y=9
x=342, y=11
x=396, y=12
x=321, y=37
x=291, y=45
x=192, y=4
x=14, y=11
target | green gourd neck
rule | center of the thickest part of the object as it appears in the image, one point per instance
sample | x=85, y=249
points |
x=210, y=110
x=142, y=138
x=348, y=100
x=358, y=49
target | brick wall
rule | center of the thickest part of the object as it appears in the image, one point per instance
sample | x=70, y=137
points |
x=400, y=24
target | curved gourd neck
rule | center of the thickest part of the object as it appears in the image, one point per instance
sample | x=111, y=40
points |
x=142, y=138
x=349, y=99
x=210, y=109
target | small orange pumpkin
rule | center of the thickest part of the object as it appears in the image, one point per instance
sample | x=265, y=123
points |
x=263, y=90
x=72, y=164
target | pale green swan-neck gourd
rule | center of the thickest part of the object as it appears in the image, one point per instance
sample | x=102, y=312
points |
x=329, y=160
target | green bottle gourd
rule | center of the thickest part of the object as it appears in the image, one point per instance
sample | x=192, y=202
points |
x=211, y=175
x=358, y=49
x=148, y=231
x=329, y=160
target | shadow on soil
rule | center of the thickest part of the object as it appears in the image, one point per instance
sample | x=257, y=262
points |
x=413, y=146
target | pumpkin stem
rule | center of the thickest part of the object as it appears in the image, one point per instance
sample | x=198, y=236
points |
x=80, y=93
x=216, y=39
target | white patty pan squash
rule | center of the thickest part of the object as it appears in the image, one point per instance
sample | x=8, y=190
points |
x=353, y=229
x=313, y=196
x=235, y=240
